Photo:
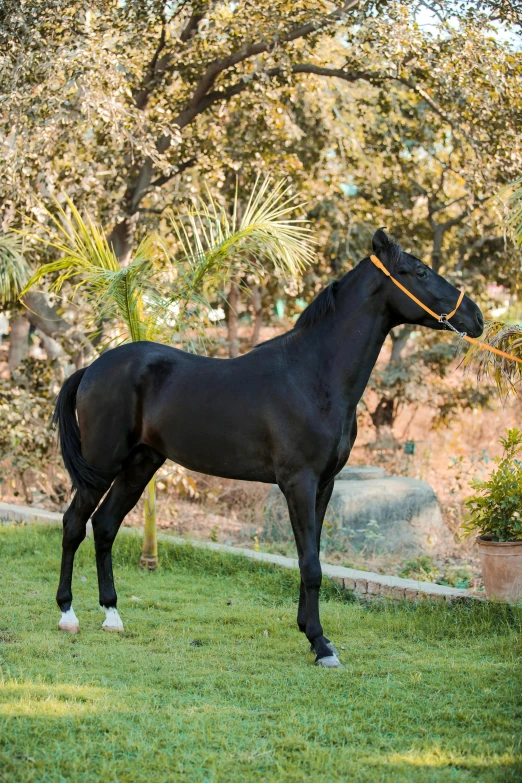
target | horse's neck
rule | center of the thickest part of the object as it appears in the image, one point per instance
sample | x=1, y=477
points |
x=346, y=345
x=359, y=346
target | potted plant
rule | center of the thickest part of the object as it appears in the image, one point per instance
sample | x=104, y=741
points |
x=495, y=513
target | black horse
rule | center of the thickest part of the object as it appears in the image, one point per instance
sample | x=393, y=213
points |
x=284, y=413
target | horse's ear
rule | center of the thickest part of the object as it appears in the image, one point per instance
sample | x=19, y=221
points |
x=381, y=242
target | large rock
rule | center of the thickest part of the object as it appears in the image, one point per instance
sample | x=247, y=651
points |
x=371, y=512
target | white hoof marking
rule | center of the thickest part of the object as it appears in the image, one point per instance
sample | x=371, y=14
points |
x=113, y=620
x=69, y=622
x=330, y=662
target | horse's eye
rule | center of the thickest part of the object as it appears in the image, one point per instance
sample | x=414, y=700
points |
x=422, y=273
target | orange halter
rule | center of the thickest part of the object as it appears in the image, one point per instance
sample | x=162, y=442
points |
x=444, y=318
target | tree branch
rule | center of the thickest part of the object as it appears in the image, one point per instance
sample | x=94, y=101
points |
x=191, y=26
x=341, y=73
x=159, y=181
x=226, y=93
x=45, y=318
x=441, y=207
x=158, y=66
x=141, y=96
x=216, y=67
x=464, y=214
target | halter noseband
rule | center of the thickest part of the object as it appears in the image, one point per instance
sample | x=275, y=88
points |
x=443, y=318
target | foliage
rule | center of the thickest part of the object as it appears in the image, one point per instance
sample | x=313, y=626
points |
x=512, y=198
x=505, y=373
x=420, y=377
x=495, y=510
x=377, y=117
x=129, y=106
x=220, y=700
x=88, y=260
x=27, y=444
x=423, y=568
x=14, y=269
x=211, y=247
x=265, y=235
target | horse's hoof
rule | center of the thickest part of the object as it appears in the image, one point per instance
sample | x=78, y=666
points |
x=329, y=662
x=69, y=622
x=69, y=627
x=330, y=646
x=113, y=621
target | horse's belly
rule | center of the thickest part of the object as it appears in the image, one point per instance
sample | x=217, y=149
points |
x=224, y=443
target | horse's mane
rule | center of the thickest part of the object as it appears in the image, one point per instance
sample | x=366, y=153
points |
x=324, y=302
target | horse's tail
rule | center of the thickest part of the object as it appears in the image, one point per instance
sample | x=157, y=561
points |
x=83, y=475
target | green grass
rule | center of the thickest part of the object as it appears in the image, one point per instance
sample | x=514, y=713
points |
x=427, y=693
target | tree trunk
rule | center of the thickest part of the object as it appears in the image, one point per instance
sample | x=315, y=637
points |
x=384, y=415
x=436, y=255
x=122, y=239
x=149, y=550
x=257, y=307
x=399, y=338
x=383, y=419
x=45, y=318
x=18, y=341
x=53, y=349
x=233, y=321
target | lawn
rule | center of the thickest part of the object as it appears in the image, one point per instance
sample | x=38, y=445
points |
x=201, y=689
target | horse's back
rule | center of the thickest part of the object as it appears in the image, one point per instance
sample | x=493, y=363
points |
x=192, y=409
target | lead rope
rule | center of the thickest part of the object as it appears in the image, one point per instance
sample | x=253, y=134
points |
x=444, y=317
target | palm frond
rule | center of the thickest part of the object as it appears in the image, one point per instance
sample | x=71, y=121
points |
x=14, y=269
x=83, y=247
x=213, y=242
x=214, y=246
x=505, y=373
x=89, y=262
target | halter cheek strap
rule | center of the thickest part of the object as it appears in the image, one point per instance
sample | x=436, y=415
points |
x=443, y=318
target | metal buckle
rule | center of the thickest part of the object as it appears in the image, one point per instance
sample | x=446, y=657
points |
x=444, y=321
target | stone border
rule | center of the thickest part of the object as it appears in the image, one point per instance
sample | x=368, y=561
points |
x=363, y=584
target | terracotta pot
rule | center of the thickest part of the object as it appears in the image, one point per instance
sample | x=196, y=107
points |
x=502, y=569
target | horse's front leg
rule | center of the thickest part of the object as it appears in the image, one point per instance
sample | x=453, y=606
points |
x=321, y=504
x=302, y=496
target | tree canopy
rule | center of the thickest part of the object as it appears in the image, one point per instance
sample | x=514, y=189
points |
x=110, y=102
x=382, y=113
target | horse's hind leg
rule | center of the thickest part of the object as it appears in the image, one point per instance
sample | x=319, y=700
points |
x=122, y=497
x=74, y=523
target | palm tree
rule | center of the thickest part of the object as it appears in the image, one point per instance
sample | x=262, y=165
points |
x=210, y=246
x=506, y=373
x=14, y=274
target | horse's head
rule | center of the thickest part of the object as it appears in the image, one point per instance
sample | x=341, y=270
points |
x=427, y=286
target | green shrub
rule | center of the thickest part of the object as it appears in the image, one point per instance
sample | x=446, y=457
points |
x=495, y=510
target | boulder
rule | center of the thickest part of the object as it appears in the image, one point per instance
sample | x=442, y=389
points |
x=371, y=512
x=360, y=473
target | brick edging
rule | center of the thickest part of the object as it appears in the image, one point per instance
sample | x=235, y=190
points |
x=364, y=584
